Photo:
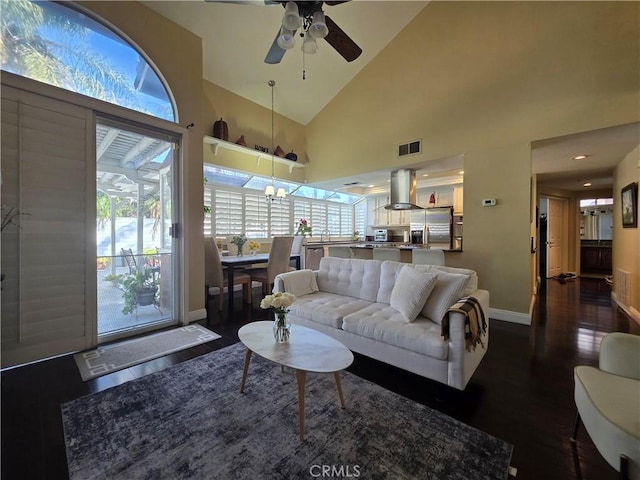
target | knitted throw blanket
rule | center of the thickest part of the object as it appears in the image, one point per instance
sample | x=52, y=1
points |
x=474, y=322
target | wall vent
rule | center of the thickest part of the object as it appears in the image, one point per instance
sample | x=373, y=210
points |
x=410, y=148
x=623, y=287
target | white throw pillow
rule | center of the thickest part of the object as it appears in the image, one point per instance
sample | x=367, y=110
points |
x=447, y=291
x=411, y=291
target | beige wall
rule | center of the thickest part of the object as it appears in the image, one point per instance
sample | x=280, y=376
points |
x=485, y=79
x=244, y=117
x=482, y=79
x=626, y=241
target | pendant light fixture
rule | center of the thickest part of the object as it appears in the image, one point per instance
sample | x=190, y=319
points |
x=270, y=190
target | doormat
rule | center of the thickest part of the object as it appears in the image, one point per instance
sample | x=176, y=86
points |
x=111, y=358
x=190, y=421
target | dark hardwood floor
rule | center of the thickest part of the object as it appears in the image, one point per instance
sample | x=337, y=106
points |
x=522, y=392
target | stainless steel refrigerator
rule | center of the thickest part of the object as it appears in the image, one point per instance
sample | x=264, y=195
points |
x=438, y=227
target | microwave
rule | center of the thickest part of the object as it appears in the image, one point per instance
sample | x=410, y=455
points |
x=381, y=235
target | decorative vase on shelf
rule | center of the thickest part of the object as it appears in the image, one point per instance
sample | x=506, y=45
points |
x=279, y=152
x=281, y=329
x=221, y=130
x=241, y=141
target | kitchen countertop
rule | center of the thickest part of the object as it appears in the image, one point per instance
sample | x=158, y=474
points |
x=370, y=245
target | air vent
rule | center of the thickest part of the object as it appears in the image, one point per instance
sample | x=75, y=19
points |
x=410, y=148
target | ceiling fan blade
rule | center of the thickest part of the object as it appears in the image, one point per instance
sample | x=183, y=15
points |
x=341, y=41
x=276, y=52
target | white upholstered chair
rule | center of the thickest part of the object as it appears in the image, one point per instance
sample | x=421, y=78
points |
x=340, y=251
x=296, y=248
x=278, y=263
x=608, y=402
x=214, y=277
x=427, y=256
x=385, y=253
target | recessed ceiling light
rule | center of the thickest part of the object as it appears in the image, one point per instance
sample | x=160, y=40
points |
x=425, y=174
x=587, y=184
x=461, y=172
x=580, y=157
x=371, y=186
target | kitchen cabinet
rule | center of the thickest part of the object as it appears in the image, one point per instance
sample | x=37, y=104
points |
x=458, y=200
x=596, y=259
x=378, y=216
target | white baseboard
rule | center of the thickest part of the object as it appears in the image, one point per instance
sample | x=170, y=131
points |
x=632, y=312
x=197, y=315
x=509, y=316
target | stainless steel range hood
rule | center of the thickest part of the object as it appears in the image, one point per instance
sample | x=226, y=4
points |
x=403, y=190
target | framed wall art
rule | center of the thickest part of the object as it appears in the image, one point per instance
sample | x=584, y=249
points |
x=630, y=205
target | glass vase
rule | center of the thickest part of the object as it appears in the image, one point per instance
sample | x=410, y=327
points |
x=240, y=250
x=281, y=329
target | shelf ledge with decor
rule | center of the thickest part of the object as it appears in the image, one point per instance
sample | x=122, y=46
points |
x=217, y=143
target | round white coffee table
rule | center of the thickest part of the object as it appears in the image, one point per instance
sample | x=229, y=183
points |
x=307, y=351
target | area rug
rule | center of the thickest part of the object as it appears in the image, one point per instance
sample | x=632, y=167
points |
x=190, y=421
x=110, y=358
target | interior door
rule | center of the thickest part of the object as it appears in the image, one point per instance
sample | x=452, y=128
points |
x=555, y=235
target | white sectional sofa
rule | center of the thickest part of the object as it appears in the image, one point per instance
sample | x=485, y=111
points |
x=355, y=302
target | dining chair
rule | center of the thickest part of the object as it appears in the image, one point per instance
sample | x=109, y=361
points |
x=296, y=248
x=384, y=253
x=214, y=276
x=278, y=263
x=427, y=256
x=340, y=251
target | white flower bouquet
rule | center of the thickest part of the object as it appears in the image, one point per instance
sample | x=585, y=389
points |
x=279, y=303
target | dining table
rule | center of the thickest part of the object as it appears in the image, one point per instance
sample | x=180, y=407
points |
x=232, y=262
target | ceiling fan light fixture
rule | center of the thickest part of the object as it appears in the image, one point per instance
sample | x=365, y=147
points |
x=309, y=45
x=291, y=19
x=286, y=39
x=318, y=28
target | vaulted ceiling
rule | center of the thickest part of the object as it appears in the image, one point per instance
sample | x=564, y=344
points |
x=237, y=35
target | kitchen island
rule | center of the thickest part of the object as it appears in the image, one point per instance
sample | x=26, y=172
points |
x=314, y=251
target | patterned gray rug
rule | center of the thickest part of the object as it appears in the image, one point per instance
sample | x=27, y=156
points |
x=191, y=421
x=117, y=356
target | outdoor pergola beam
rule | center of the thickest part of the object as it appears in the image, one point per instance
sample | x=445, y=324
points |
x=108, y=139
x=140, y=147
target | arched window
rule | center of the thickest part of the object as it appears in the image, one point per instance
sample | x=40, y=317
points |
x=61, y=46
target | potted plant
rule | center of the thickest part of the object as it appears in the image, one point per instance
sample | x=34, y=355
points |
x=139, y=288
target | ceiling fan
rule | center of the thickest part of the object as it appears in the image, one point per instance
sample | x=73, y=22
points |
x=309, y=17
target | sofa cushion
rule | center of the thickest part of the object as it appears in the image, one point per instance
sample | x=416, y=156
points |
x=448, y=289
x=353, y=277
x=326, y=308
x=472, y=283
x=411, y=291
x=382, y=323
x=389, y=271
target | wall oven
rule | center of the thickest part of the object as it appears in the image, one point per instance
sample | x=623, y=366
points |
x=381, y=235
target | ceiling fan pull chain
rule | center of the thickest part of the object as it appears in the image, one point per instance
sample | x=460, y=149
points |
x=304, y=74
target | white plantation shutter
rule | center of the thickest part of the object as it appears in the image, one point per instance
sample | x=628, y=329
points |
x=256, y=211
x=227, y=211
x=318, y=217
x=280, y=220
x=208, y=217
x=360, y=220
x=346, y=221
x=47, y=164
x=333, y=219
